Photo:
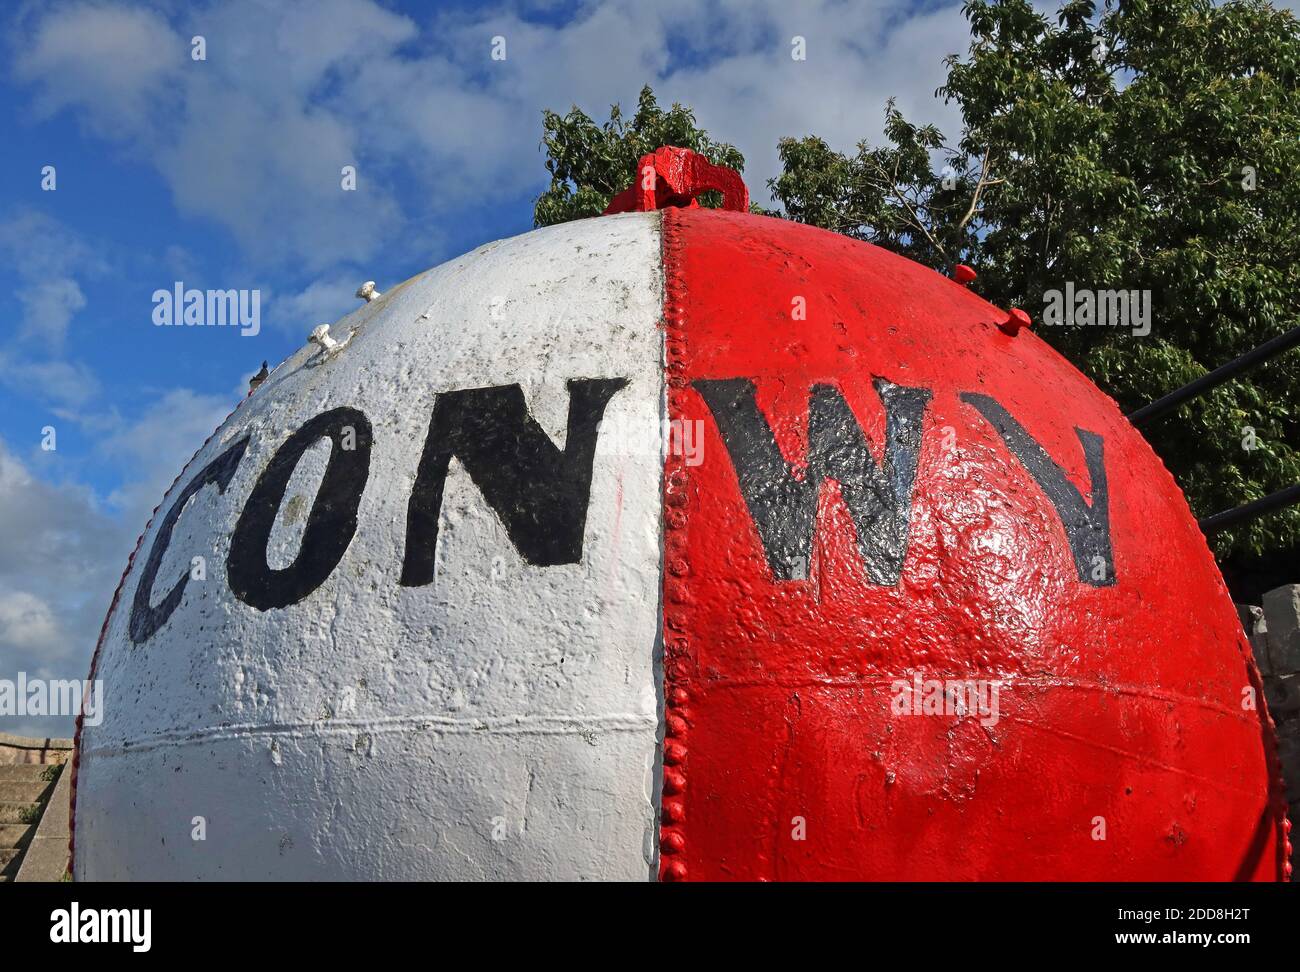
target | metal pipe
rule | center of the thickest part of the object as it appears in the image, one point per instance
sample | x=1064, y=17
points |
x=1250, y=511
x=1269, y=349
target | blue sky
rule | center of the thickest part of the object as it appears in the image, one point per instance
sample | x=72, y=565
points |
x=225, y=173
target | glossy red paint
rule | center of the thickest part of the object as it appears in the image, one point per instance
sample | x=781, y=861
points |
x=1016, y=319
x=672, y=176
x=1120, y=706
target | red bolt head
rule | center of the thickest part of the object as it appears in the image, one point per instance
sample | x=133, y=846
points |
x=963, y=274
x=1016, y=319
x=672, y=842
x=675, y=871
x=674, y=781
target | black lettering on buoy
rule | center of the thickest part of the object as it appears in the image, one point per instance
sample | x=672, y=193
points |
x=330, y=524
x=146, y=620
x=539, y=491
x=1087, y=527
x=784, y=509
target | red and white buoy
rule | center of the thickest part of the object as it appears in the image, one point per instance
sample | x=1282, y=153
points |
x=676, y=543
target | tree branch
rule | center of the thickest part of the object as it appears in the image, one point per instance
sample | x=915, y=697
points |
x=916, y=220
x=979, y=188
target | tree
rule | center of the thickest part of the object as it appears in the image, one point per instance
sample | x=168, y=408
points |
x=1154, y=147
x=590, y=164
x=889, y=196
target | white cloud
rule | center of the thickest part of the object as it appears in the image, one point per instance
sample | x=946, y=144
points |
x=151, y=450
x=236, y=136
x=322, y=301
x=46, y=262
x=858, y=57
x=48, y=308
x=66, y=386
x=115, y=64
x=59, y=563
x=26, y=622
x=253, y=138
x=45, y=259
x=272, y=174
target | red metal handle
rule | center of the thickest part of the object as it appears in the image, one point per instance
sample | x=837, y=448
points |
x=672, y=176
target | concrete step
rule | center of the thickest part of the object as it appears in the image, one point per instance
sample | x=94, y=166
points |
x=23, y=791
x=9, y=863
x=18, y=812
x=46, y=859
x=21, y=772
x=15, y=836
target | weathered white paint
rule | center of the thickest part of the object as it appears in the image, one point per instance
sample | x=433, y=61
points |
x=380, y=732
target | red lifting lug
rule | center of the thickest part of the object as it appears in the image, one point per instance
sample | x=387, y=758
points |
x=1016, y=319
x=672, y=176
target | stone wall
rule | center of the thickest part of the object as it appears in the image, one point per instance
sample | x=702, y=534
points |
x=1274, y=632
x=21, y=749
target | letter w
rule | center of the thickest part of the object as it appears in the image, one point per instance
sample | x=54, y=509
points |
x=539, y=491
x=784, y=509
x=1087, y=526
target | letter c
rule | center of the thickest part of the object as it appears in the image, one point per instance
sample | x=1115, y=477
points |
x=145, y=619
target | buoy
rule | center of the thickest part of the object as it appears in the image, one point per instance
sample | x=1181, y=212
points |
x=585, y=556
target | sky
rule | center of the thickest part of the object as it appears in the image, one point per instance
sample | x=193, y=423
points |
x=226, y=172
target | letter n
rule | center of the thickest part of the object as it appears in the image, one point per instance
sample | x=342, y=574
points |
x=539, y=491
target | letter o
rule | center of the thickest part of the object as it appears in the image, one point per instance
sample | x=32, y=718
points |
x=330, y=525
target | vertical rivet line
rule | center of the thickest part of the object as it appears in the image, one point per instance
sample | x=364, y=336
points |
x=677, y=645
